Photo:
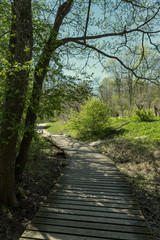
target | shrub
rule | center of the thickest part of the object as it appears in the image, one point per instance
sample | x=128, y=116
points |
x=144, y=116
x=92, y=120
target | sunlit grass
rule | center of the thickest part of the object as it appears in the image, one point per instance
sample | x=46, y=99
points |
x=55, y=127
x=58, y=128
x=148, y=132
x=127, y=129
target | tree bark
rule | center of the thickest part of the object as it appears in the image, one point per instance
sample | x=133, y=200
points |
x=20, y=52
x=39, y=76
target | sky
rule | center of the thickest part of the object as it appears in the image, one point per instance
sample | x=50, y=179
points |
x=94, y=68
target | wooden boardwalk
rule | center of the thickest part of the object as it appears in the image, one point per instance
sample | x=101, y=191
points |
x=91, y=201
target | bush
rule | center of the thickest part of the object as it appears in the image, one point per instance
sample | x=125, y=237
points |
x=92, y=120
x=144, y=116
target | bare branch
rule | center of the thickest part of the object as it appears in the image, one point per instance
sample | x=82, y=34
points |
x=87, y=20
x=133, y=3
x=119, y=60
x=124, y=32
x=3, y=34
x=142, y=55
x=150, y=40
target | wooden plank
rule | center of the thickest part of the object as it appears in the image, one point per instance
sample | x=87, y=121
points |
x=96, y=200
x=94, y=183
x=90, y=196
x=78, y=184
x=92, y=203
x=87, y=179
x=91, y=225
x=54, y=236
x=34, y=235
x=109, y=220
x=100, y=176
x=95, y=186
x=93, y=208
x=92, y=213
x=94, y=180
x=91, y=189
x=88, y=232
x=95, y=193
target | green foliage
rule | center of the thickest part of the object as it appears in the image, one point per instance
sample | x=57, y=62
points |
x=54, y=127
x=92, y=120
x=146, y=132
x=144, y=116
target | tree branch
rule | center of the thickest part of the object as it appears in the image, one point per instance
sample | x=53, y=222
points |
x=63, y=10
x=3, y=34
x=124, y=32
x=65, y=40
x=118, y=59
x=133, y=3
x=149, y=37
x=87, y=20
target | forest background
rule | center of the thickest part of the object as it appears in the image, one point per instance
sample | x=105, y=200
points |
x=38, y=42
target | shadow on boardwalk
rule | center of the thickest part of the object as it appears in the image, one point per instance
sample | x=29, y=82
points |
x=91, y=201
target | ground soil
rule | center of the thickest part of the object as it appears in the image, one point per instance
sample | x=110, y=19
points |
x=40, y=176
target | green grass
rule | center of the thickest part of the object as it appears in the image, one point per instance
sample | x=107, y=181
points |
x=55, y=127
x=147, y=132
x=58, y=128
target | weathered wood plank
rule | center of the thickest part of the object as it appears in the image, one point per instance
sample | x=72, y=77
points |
x=92, y=213
x=109, y=204
x=90, y=225
x=88, y=232
x=109, y=220
x=98, y=190
x=63, y=236
x=125, y=202
x=86, y=186
x=93, y=194
x=54, y=236
x=94, y=180
x=90, y=196
x=93, y=208
x=95, y=186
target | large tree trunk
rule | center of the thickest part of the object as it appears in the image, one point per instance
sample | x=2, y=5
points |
x=39, y=76
x=17, y=80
